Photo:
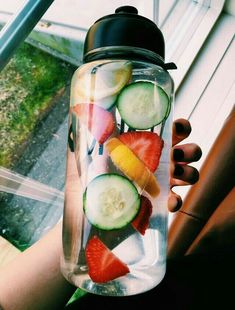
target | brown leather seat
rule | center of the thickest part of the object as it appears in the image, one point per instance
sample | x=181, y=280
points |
x=206, y=221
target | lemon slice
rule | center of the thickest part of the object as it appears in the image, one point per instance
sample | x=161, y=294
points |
x=126, y=161
x=96, y=81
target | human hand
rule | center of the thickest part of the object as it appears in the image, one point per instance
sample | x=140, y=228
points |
x=181, y=173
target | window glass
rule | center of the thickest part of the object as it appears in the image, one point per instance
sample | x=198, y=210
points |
x=84, y=13
x=41, y=156
x=11, y=6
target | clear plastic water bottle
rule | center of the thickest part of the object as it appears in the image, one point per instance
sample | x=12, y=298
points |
x=117, y=178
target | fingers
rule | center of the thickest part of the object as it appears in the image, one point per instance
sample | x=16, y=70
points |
x=183, y=175
x=181, y=130
x=181, y=155
x=186, y=153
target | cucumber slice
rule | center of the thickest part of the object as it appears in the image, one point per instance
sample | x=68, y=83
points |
x=143, y=105
x=111, y=201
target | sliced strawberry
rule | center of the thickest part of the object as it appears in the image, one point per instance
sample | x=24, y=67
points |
x=141, y=222
x=103, y=265
x=146, y=145
x=99, y=121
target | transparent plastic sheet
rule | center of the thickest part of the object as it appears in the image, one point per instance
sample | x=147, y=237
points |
x=29, y=208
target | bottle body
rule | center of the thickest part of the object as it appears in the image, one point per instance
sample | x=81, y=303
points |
x=117, y=178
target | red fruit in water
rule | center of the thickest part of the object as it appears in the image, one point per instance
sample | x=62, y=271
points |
x=103, y=265
x=99, y=121
x=147, y=146
x=141, y=221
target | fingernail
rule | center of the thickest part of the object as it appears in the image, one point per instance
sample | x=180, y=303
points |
x=178, y=154
x=179, y=170
x=195, y=176
x=177, y=205
x=179, y=128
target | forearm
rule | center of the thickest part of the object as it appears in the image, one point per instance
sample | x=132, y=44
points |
x=33, y=280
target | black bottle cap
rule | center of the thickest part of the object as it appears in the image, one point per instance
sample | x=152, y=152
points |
x=124, y=28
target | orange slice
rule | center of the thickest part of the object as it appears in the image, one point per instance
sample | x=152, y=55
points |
x=125, y=160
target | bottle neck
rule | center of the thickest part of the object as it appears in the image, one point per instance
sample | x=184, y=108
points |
x=123, y=52
x=128, y=52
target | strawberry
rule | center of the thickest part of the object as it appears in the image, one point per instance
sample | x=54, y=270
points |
x=103, y=265
x=147, y=146
x=99, y=121
x=141, y=221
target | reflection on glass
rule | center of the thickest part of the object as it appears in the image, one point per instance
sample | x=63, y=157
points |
x=23, y=221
